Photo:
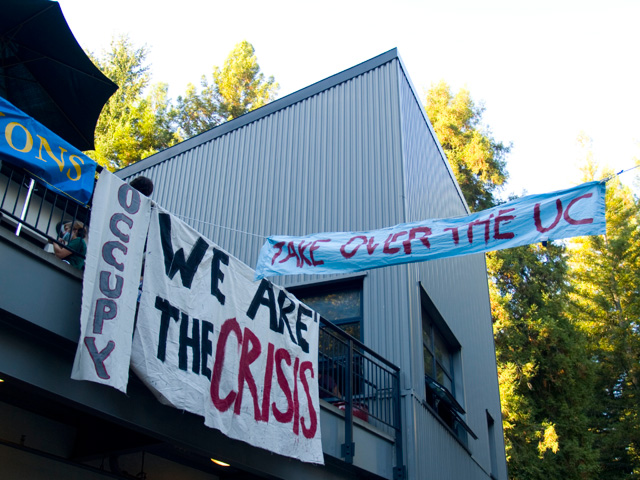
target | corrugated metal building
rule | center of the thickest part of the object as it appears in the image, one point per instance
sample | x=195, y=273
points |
x=356, y=152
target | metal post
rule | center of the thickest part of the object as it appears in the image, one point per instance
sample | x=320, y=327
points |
x=399, y=471
x=348, y=447
x=26, y=206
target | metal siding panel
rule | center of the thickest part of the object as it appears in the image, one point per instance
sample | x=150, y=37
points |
x=457, y=286
x=440, y=455
x=356, y=156
x=299, y=170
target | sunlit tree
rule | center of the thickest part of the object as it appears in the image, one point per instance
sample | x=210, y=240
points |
x=545, y=372
x=605, y=273
x=235, y=89
x=477, y=159
x=137, y=121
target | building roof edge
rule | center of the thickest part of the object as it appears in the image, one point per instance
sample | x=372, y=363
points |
x=254, y=115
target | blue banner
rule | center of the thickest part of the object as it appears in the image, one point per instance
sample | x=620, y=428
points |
x=566, y=213
x=29, y=144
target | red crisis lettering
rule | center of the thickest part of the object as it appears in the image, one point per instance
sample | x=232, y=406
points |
x=501, y=218
x=278, y=246
x=301, y=248
x=291, y=249
x=538, y=221
x=313, y=248
x=250, y=348
x=371, y=247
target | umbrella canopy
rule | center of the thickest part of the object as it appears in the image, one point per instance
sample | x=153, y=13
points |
x=45, y=73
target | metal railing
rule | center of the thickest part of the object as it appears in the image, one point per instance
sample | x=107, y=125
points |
x=362, y=383
x=32, y=211
x=351, y=376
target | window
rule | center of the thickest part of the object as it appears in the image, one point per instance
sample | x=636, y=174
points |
x=438, y=358
x=492, y=445
x=442, y=369
x=339, y=302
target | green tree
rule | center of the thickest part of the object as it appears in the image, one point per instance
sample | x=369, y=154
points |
x=131, y=126
x=545, y=374
x=235, y=89
x=605, y=272
x=477, y=160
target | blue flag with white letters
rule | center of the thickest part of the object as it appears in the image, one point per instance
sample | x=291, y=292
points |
x=566, y=213
x=28, y=144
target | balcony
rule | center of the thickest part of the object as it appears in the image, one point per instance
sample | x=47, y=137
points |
x=40, y=300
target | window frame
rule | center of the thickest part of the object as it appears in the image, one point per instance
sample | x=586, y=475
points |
x=440, y=400
x=335, y=286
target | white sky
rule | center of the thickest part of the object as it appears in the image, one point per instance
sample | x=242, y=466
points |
x=545, y=70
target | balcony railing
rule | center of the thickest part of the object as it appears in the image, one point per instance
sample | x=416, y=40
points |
x=351, y=376
x=362, y=383
x=33, y=211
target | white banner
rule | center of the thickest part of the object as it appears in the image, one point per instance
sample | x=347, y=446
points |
x=566, y=213
x=210, y=340
x=112, y=274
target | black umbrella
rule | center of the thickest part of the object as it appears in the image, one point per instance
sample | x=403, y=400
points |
x=46, y=74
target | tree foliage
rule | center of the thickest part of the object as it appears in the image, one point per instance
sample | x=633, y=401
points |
x=235, y=89
x=477, y=160
x=605, y=272
x=546, y=378
x=131, y=126
x=140, y=119
x=546, y=374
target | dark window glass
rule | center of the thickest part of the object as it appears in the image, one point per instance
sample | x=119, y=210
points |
x=340, y=303
x=439, y=372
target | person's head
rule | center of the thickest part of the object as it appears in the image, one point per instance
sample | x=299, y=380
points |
x=78, y=230
x=143, y=184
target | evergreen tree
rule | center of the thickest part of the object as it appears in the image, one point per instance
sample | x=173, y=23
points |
x=545, y=374
x=235, y=89
x=605, y=271
x=477, y=160
x=544, y=370
x=131, y=126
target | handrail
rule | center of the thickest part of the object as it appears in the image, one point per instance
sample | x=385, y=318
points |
x=361, y=382
x=36, y=213
x=367, y=385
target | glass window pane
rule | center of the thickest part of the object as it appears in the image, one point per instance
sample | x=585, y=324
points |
x=443, y=378
x=428, y=363
x=442, y=352
x=426, y=331
x=334, y=306
x=352, y=329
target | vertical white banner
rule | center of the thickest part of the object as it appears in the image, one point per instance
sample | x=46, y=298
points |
x=240, y=353
x=118, y=231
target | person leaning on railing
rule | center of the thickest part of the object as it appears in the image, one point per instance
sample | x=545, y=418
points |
x=77, y=247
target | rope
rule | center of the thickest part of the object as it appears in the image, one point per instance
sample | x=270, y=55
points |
x=619, y=173
x=221, y=226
